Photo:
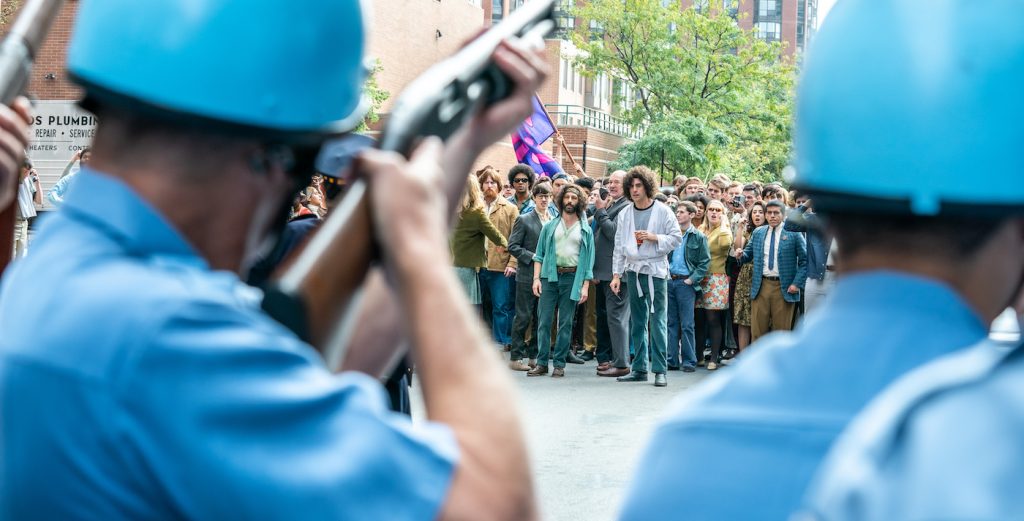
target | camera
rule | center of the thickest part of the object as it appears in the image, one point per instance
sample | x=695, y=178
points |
x=603, y=193
x=739, y=201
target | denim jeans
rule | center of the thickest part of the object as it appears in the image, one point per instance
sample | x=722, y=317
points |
x=681, y=299
x=641, y=313
x=555, y=295
x=501, y=291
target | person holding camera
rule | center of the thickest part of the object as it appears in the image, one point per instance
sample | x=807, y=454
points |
x=612, y=307
x=29, y=195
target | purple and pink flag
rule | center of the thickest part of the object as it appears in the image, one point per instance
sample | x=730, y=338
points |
x=537, y=128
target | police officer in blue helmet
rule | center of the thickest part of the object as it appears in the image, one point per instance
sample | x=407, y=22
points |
x=908, y=139
x=945, y=441
x=139, y=378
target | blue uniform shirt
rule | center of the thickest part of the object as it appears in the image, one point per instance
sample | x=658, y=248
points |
x=136, y=383
x=752, y=437
x=944, y=442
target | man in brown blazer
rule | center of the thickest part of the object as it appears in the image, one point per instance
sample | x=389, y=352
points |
x=497, y=279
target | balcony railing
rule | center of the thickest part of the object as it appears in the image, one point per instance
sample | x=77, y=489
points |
x=580, y=116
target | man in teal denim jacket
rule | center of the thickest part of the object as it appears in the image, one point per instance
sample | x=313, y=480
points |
x=562, y=269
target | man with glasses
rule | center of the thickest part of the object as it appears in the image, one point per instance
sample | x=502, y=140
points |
x=521, y=177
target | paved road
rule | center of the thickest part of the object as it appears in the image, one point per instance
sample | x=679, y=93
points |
x=586, y=434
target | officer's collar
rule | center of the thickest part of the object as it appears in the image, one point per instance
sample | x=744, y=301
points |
x=113, y=205
x=904, y=293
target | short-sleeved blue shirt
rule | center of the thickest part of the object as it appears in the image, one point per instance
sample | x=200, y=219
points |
x=943, y=442
x=751, y=438
x=137, y=383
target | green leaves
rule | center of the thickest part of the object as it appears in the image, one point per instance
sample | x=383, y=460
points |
x=376, y=95
x=713, y=96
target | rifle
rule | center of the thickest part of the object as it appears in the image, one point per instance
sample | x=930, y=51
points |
x=318, y=292
x=17, y=53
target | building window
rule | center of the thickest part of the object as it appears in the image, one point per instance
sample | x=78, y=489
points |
x=497, y=11
x=769, y=9
x=769, y=31
x=566, y=22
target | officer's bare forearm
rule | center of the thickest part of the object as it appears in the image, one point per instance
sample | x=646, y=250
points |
x=379, y=336
x=465, y=387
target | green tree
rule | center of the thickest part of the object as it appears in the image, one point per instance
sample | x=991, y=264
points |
x=727, y=92
x=376, y=95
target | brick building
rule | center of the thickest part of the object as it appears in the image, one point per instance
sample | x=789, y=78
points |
x=791, y=21
x=406, y=36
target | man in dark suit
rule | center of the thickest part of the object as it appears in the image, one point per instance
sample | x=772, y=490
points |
x=522, y=244
x=612, y=309
x=780, y=272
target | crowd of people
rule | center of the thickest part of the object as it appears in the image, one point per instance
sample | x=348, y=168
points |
x=643, y=278
x=142, y=377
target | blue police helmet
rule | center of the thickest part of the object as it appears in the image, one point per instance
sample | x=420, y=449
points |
x=915, y=107
x=284, y=69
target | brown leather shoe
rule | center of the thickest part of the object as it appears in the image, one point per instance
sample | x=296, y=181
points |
x=533, y=363
x=558, y=372
x=540, y=370
x=614, y=371
x=603, y=365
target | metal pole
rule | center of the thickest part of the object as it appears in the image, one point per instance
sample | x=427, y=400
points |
x=584, y=155
x=662, y=164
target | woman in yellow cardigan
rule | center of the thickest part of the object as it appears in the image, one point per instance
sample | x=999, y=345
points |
x=715, y=298
x=471, y=228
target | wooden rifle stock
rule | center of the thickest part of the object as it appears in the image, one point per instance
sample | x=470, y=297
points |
x=318, y=293
x=17, y=52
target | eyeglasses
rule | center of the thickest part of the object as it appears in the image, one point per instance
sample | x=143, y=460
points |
x=521, y=180
x=542, y=196
x=506, y=187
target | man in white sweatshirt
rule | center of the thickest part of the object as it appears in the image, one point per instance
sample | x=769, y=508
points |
x=646, y=232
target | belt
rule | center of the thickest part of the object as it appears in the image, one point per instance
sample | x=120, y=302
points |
x=679, y=277
x=830, y=268
x=769, y=278
x=569, y=269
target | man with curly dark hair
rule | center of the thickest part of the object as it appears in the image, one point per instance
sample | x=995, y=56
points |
x=646, y=232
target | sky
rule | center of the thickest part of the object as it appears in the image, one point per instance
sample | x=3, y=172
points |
x=823, y=8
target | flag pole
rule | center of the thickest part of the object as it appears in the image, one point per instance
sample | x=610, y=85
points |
x=558, y=134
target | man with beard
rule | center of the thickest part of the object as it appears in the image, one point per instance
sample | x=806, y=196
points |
x=562, y=268
x=497, y=277
x=612, y=307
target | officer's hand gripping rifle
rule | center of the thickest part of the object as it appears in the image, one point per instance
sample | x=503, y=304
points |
x=17, y=52
x=317, y=294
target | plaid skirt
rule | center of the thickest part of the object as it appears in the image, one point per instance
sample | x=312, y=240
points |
x=716, y=292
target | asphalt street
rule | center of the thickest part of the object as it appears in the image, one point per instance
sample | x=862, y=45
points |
x=586, y=434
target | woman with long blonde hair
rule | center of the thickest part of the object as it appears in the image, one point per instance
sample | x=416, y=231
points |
x=715, y=297
x=471, y=228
